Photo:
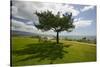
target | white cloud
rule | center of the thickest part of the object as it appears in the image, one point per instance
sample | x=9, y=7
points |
x=27, y=8
x=14, y=10
x=77, y=19
x=86, y=8
x=82, y=23
x=20, y=26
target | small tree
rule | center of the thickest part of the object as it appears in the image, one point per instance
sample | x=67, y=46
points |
x=48, y=21
x=84, y=38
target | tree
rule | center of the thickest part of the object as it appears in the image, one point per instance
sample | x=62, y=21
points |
x=84, y=38
x=58, y=23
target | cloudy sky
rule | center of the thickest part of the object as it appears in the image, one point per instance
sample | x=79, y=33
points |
x=23, y=17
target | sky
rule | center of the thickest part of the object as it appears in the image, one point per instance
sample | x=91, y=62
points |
x=23, y=17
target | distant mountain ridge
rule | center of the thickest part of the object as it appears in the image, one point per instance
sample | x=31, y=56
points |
x=22, y=33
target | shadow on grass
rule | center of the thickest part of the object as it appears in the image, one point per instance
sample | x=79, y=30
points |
x=48, y=50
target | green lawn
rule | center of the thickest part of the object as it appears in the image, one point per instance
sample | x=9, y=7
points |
x=28, y=51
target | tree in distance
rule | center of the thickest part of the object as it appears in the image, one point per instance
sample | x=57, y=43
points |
x=57, y=23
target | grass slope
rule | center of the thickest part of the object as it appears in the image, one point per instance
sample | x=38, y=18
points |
x=28, y=51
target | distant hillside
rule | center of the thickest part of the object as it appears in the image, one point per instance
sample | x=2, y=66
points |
x=22, y=33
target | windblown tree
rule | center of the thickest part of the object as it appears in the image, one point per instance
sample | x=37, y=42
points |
x=57, y=23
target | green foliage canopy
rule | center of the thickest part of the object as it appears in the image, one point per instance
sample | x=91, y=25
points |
x=58, y=23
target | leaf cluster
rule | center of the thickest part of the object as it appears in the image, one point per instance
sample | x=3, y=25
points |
x=58, y=23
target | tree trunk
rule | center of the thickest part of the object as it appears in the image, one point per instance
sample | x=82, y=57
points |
x=57, y=38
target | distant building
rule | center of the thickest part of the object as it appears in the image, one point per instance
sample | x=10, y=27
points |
x=47, y=37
